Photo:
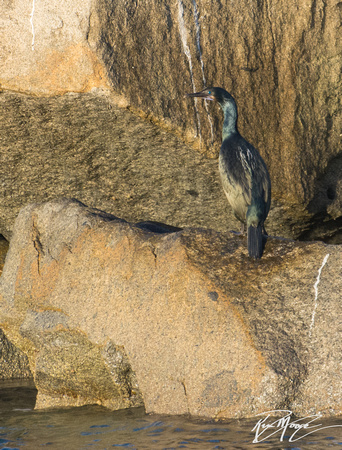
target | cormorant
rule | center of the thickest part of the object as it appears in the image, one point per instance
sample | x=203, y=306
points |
x=245, y=179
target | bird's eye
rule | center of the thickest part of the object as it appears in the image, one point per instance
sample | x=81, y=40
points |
x=209, y=92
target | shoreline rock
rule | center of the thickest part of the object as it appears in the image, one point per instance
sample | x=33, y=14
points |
x=201, y=329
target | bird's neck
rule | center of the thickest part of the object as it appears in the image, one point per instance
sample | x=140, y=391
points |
x=230, y=119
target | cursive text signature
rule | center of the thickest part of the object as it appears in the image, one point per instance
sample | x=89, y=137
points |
x=298, y=429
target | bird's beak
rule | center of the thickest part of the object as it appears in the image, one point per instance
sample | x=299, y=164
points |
x=202, y=94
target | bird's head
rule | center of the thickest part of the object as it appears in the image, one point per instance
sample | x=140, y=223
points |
x=228, y=105
x=213, y=93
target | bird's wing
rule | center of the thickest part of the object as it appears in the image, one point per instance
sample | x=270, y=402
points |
x=258, y=181
x=235, y=177
x=244, y=176
x=247, y=161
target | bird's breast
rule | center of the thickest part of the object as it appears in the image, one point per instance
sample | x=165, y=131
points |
x=234, y=185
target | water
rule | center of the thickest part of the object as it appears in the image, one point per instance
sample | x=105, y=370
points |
x=93, y=427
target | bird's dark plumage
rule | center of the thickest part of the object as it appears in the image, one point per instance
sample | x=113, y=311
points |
x=244, y=174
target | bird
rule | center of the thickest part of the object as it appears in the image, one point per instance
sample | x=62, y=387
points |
x=244, y=175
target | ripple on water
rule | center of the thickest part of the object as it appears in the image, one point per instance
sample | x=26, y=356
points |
x=97, y=428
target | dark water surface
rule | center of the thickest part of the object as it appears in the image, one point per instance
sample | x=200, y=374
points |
x=93, y=427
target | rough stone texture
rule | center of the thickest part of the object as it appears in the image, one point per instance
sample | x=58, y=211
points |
x=68, y=369
x=281, y=62
x=200, y=327
x=84, y=146
x=13, y=362
x=3, y=252
x=44, y=47
x=71, y=371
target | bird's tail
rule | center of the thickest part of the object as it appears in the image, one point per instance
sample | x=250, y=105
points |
x=254, y=241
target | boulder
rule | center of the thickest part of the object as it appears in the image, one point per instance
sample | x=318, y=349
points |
x=113, y=313
x=282, y=64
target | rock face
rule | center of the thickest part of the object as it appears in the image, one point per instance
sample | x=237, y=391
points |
x=86, y=147
x=45, y=50
x=282, y=64
x=13, y=362
x=108, y=312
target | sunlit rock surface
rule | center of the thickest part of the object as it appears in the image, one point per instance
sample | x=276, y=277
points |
x=108, y=312
x=13, y=362
x=281, y=62
x=45, y=49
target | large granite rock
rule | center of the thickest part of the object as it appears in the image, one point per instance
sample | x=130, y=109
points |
x=282, y=64
x=112, y=313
